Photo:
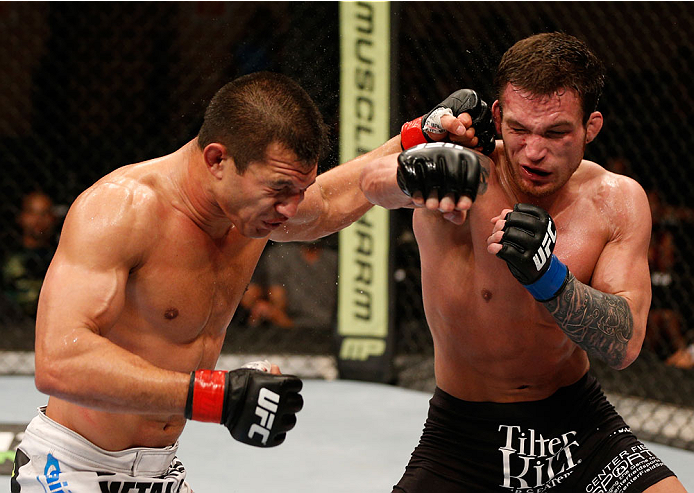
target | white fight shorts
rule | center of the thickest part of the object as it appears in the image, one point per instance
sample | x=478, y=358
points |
x=52, y=458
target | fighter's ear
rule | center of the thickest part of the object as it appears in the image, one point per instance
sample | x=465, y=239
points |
x=216, y=157
x=496, y=114
x=593, y=125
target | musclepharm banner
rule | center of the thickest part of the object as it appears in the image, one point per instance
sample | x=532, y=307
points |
x=364, y=335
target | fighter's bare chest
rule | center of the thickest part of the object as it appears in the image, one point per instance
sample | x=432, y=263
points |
x=581, y=237
x=192, y=285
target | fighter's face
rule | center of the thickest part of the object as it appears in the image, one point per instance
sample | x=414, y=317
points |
x=269, y=192
x=544, y=138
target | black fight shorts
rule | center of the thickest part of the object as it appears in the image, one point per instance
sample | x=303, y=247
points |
x=574, y=441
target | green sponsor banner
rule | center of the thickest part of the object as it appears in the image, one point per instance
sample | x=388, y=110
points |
x=363, y=320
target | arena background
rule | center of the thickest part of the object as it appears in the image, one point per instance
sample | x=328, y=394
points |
x=88, y=87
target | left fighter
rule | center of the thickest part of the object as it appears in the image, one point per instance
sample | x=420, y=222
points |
x=152, y=262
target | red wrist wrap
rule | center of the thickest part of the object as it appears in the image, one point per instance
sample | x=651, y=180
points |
x=411, y=134
x=208, y=395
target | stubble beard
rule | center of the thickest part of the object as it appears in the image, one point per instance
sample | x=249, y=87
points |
x=537, y=192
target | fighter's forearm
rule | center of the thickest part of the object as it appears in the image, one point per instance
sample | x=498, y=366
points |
x=94, y=372
x=600, y=323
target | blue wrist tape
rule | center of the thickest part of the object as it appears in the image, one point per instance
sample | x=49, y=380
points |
x=547, y=287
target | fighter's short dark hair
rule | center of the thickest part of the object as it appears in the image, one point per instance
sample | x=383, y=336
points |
x=253, y=111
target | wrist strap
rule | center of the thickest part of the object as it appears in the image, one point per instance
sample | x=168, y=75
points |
x=411, y=134
x=551, y=283
x=206, y=396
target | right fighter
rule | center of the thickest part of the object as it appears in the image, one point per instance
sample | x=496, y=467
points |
x=531, y=258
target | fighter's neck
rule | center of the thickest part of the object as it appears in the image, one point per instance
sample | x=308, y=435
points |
x=194, y=195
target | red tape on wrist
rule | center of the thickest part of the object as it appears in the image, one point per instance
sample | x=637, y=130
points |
x=208, y=396
x=411, y=134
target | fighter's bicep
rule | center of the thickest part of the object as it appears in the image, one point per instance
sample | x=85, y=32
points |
x=624, y=272
x=622, y=267
x=85, y=284
x=79, y=296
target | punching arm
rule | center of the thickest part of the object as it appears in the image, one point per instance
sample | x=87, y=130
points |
x=600, y=319
x=600, y=323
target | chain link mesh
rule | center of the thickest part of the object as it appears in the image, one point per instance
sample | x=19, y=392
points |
x=88, y=87
x=91, y=87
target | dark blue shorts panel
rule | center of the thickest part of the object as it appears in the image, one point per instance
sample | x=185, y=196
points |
x=573, y=441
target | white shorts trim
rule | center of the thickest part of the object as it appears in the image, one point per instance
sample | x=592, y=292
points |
x=76, y=451
x=61, y=460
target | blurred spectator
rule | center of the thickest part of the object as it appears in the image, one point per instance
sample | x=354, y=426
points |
x=665, y=334
x=299, y=289
x=255, y=293
x=665, y=214
x=24, y=269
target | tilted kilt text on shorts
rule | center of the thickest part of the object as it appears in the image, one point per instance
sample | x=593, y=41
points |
x=574, y=441
x=51, y=458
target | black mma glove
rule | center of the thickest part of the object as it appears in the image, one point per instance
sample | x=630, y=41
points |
x=462, y=101
x=527, y=246
x=444, y=167
x=257, y=407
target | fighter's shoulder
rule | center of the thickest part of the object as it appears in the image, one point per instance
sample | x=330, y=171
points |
x=609, y=186
x=620, y=198
x=120, y=203
x=121, y=192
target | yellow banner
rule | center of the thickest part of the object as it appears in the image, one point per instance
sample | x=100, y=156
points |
x=364, y=125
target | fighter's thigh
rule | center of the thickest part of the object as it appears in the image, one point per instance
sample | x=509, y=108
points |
x=422, y=480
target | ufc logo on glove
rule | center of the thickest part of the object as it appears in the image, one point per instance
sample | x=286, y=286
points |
x=545, y=251
x=268, y=402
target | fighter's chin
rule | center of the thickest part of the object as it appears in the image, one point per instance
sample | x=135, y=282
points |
x=257, y=233
x=260, y=231
x=253, y=231
x=538, y=191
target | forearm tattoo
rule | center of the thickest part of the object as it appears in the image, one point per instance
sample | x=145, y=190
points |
x=599, y=323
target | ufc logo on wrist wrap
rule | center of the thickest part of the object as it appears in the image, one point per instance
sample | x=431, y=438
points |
x=265, y=410
x=545, y=251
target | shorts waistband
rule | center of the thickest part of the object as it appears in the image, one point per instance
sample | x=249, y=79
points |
x=583, y=390
x=72, y=448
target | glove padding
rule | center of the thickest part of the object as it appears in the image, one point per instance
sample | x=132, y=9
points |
x=257, y=407
x=444, y=167
x=527, y=246
x=461, y=101
x=254, y=394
